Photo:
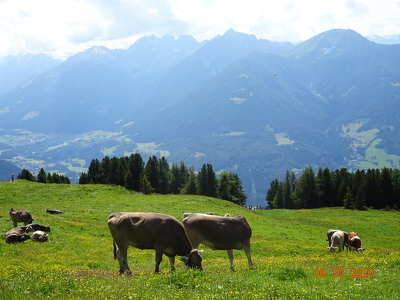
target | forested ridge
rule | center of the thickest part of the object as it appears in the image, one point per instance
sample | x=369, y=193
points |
x=158, y=176
x=359, y=189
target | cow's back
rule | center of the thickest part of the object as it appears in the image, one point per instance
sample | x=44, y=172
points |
x=148, y=231
x=218, y=232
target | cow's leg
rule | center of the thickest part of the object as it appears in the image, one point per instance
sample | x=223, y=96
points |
x=122, y=256
x=172, y=263
x=14, y=223
x=230, y=255
x=246, y=247
x=159, y=254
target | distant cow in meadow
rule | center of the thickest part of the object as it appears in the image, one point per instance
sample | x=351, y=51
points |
x=219, y=233
x=17, y=235
x=331, y=232
x=156, y=231
x=54, y=211
x=354, y=241
x=337, y=240
x=20, y=216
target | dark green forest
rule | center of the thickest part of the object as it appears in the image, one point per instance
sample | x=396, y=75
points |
x=43, y=177
x=158, y=176
x=360, y=189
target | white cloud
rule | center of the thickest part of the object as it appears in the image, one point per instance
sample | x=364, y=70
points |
x=66, y=26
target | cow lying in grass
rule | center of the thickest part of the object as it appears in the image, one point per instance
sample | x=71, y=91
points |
x=20, y=234
x=17, y=235
x=156, y=231
x=39, y=236
x=219, y=233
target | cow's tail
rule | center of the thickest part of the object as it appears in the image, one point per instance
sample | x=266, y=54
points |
x=115, y=250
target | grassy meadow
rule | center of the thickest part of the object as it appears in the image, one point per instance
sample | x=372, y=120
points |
x=288, y=248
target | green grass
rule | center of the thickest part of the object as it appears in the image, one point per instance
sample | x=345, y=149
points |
x=288, y=247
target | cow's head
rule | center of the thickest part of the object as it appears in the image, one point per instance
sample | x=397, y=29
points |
x=193, y=260
x=355, y=242
x=332, y=249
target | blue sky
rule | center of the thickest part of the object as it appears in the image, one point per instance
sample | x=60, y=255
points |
x=63, y=27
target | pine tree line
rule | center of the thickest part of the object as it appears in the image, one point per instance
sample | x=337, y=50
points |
x=43, y=177
x=158, y=176
x=375, y=188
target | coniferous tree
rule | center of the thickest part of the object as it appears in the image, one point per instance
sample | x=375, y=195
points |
x=287, y=190
x=191, y=185
x=41, y=177
x=273, y=189
x=146, y=185
x=176, y=180
x=236, y=189
x=278, y=198
x=136, y=167
x=387, y=189
x=114, y=176
x=104, y=170
x=151, y=171
x=305, y=190
x=348, y=200
x=396, y=188
x=94, y=171
x=212, y=182
x=84, y=178
x=164, y=176
x=129, y=180
x=359, y=199
x=224, y=191
x=26, y=174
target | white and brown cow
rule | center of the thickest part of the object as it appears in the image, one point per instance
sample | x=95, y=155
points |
x=337, y=240
x=156, y=231
x=220, y=233
x=355, y=242
x=20, y=216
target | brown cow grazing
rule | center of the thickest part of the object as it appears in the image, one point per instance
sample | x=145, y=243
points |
x=156, y=231
x=20, y=216
x=16, y=235
x=355, y=242
x=220, y=233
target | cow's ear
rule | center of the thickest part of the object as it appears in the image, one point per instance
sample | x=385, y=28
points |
x=200, y=251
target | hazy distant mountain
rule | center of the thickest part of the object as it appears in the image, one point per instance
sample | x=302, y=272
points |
x=7, y=170
x=386, y=39
x=244, y=104
x=20, y=69
x=93, y=89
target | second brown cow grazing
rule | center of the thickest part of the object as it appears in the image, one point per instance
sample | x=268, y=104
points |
x=20, y=216
x=220, y=233
x=156, y=231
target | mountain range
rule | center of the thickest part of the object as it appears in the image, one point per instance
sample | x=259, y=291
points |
x=244, y=104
